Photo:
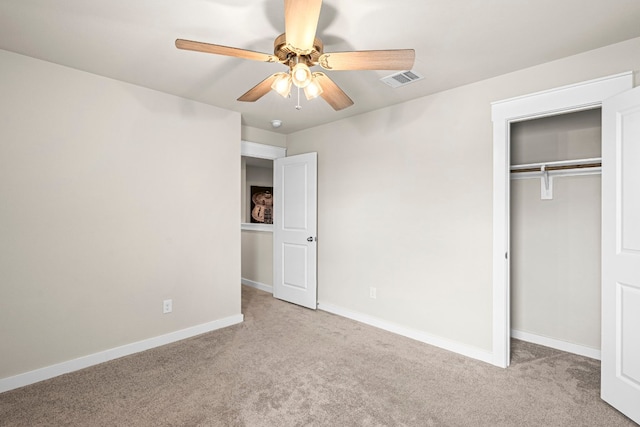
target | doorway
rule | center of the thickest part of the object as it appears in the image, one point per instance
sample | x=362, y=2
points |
x=573, y=98
x=257, y=235
x=280, y=246
x=257, y=223
x=555, y=231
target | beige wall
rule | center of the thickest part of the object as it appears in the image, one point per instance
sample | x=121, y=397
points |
x=405, y=200
x=555, y=260
x=261, y=136
x=555, y=244
x=114, y=197
x=257, y=256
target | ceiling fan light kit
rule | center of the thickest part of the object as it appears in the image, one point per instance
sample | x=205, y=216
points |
x=282, y=84
x=299, y=49
x=301, y=74
x=313, y=89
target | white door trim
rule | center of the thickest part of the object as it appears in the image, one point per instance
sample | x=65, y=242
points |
x=576, y=97
x=261, y=151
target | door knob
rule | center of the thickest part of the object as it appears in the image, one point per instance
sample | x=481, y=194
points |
x=309, y=239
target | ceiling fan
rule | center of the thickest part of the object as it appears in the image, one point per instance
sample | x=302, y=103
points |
x=299, y=49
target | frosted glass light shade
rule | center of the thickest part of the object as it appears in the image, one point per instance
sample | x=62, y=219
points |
x=282, y=84
x=313, y=89
x=301, y=75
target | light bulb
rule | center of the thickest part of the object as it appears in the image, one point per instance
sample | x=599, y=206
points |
x=282, y=84
x=301, y=75
x=313, y=89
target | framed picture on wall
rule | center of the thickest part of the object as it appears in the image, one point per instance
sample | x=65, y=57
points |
x=261, y=205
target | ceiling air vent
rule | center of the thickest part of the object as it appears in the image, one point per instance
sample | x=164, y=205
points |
x=402, y=78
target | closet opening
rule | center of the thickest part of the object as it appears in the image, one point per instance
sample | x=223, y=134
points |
x=555, y=231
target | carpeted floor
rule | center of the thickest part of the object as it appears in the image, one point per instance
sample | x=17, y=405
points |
x=289, y=366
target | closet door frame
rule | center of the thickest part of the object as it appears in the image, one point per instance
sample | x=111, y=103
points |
x=567, y=99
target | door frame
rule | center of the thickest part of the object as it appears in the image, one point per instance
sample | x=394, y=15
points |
x=261, y=151
x=572, y=98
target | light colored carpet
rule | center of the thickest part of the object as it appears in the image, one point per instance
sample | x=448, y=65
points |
x=289, y=366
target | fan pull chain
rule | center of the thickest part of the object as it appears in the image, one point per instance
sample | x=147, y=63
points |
x=298, y=107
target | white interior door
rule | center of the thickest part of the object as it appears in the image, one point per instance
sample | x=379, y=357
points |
x=621, y=253
x=294, y=228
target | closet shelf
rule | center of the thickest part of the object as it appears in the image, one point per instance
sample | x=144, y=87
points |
x=247, y=226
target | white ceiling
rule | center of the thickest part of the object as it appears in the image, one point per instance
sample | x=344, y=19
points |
x=456, y=42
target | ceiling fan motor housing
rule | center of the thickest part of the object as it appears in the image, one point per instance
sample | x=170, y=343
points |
x=286, y=53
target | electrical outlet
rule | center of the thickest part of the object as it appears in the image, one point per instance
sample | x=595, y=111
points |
x=167, y=306
x=373, y=293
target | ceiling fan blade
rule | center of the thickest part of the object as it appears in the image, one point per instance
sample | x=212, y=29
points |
x=259, y=90
x=398, y=59
x=301, y=21
x=225, y=50
x=332, y=93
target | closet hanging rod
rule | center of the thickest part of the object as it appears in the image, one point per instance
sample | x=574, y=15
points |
x=557, y=168
x=559, y=165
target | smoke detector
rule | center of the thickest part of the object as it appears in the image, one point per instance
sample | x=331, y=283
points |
x=276, y=123
x=402, y=78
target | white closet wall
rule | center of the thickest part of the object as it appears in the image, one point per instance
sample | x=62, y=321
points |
x=555, y=244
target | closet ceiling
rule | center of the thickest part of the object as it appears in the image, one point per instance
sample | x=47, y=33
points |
x=456, y=42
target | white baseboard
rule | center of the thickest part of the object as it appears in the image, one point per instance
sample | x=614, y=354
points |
x=45, y=373
x=257, y=285
x=465, y=350
x=581, y=350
